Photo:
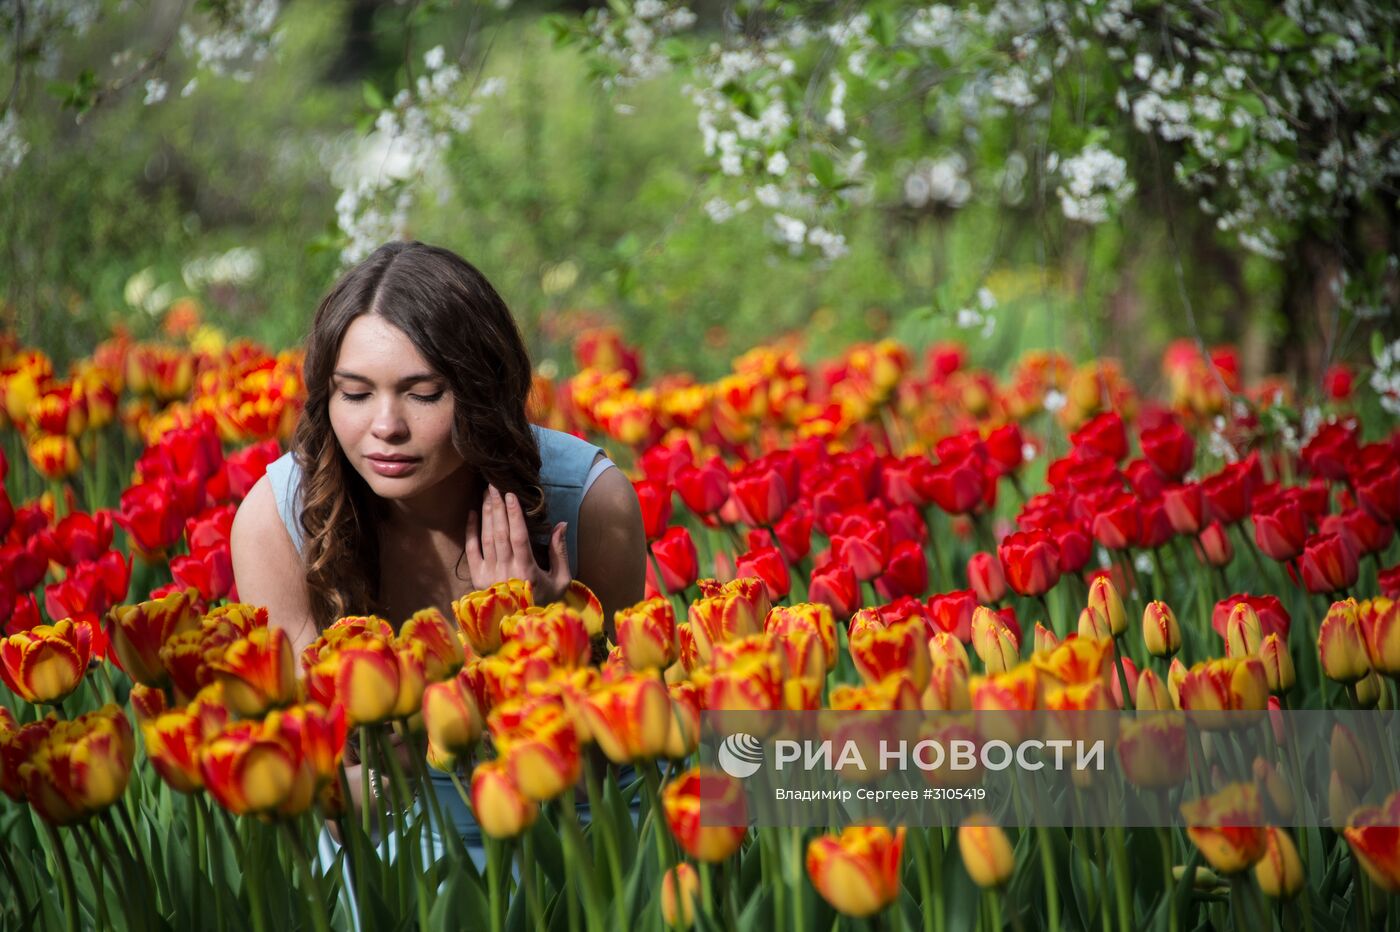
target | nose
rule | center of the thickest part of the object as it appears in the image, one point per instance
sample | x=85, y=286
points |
x=389, y=423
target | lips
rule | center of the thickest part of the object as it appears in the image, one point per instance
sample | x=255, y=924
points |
x=393, y=466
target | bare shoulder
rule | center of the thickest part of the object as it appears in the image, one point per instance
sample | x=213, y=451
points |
x=610, y=502
x=266, y=565
x=612, y=544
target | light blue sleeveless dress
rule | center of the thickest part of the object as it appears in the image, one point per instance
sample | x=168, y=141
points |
x=567, y=470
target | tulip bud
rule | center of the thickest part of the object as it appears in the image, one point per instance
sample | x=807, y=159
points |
x=1093, y=624
x=1340, y=646
x=986, y=853
x=1275, y=789
x=450, y=716
x=1152, y=694
x=985, y=577
x=500, y=808
x=1045, y=640
x=1243, y=632
x=680, y=887
x=1350, y=759
x=1369, y=691
x=945, y=648
x=1280, y=871
x=1342, y=801
x=1176, y=675
x=1278, y=663
x=994, y=641
x=1160, y=631
x=1104, y=597
x=1216, y=546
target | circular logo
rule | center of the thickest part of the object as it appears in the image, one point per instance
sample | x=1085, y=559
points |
x=740, y=755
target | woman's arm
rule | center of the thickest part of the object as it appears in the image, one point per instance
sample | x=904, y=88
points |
x=267, y=567
x=612, y=545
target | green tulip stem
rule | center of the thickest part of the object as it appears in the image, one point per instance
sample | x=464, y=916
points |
x=308, y=878
x=534, y=912
x=603, y=823
x=65, y=879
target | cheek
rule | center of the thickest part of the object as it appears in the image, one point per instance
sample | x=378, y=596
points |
x=435, y=428
x=345, y=423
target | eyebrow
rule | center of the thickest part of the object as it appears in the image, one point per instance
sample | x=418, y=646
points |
x=403, y=382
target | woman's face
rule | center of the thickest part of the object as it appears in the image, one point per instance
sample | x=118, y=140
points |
x=391, y=413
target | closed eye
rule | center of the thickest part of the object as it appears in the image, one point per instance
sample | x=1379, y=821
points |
x=427, y=399
x=352, y=397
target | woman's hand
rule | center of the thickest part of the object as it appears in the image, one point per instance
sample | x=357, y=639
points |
x=498, y=548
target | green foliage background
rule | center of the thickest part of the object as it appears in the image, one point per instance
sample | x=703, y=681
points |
x=555, y=186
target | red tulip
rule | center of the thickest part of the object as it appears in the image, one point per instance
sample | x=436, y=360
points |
x=1184, y=506
x=1169, y=448
x=1367, y=535
x=1216, y=546
x=1281, y=532
x=1378, y=490
x=676, y=556
x=985, y=577
x=952, y=612
x=835, y=585
x=1329, y=563
x=1118, y=523
x=1273, y=617
x=958, y=486
x=907, y=573
x=1031, y=561
x=762, y=496
x=1331, y=452
x=768, y=565
x=1103, y=435
x=1227, y=493
x=1338, y=381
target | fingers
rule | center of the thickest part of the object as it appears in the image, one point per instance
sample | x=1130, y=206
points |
x=476, y=565
x=518, y=532
x=488, y=529
x=500, y=529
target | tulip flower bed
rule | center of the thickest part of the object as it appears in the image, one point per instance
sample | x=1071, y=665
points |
x=869, y=532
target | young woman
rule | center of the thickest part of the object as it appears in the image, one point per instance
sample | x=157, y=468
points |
x=414, y=476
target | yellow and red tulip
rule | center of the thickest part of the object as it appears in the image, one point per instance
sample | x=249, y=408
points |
x=257, y=672
x=1228, y=827
x=1373, y=832
x=629, y=720
x=1341, y=647
x=442, y=649
x=138, y=632
x=680, y=888
x=857, y=871
x=479, y=614
x=47, y=662
x=726, y=821
x=501, y=809
x=986, y=853
x=451, y=716
x=1160, y=631
x=646, y=633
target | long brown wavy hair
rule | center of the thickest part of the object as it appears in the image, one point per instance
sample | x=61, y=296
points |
x=460, y=325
